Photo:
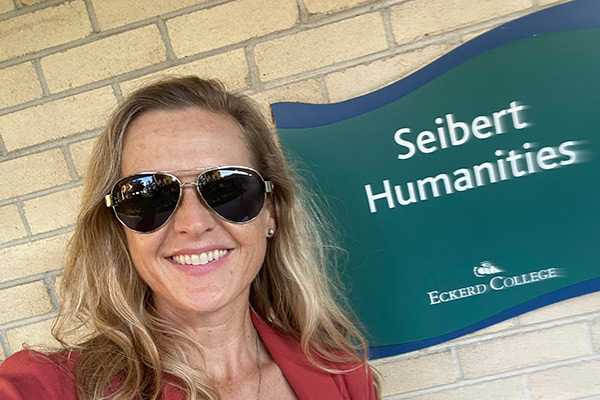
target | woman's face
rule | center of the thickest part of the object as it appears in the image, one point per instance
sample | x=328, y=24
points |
x=184, y=140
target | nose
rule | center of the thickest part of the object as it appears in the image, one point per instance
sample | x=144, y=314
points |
x=192, y=215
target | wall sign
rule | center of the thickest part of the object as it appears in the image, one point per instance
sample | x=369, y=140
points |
x=467, y=192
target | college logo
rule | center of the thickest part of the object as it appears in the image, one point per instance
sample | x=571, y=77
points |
x=498, y=282
x=486, y=268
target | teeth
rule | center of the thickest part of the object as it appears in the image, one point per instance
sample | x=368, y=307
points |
x=199, y=259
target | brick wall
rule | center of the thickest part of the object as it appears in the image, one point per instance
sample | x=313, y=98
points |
x=65, y=64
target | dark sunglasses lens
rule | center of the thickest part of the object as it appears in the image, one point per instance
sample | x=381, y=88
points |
x=235, y=194
x=145, y=202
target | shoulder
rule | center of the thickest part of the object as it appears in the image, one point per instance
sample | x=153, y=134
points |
x=33, y=375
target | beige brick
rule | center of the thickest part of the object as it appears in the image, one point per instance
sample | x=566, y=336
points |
x=229, y=23
x=37, y=336
x=80, y=154
x=113, y=13
x=511, y=388
x=572, y=382
x=31, y=173
x=23, y=301
x=366, y=78
x=33, y=258
x=417, y=373
x=524, y=350
x=327, y=6
x=11, y=225
x=19, y=84
x=53, y=211
x=579, y=305
x=45, y=28
x=415, y=19
x=306, y=92
x=104, y=58
x=6, y=5
x=57, y=119
x=230, y=68
x=320, y=47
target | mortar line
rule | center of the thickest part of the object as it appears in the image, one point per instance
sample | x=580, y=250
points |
x=323, y=87
x=28, y=320
x=69, y=161
x=117, y=92
x=3, y=150
x=50, y=145
x=456, y=363
x=41, y=192
x=387, y=28
x=21, y=210
x=526, y=388
x=164, y=34
x=255, y=82
x=18, y=4
x=4, y=343
x=30, y=278
x=92, y=16
x=49, y=285
x=38, y=236
x=589, y=336
x=302, y=11
x=354, y=11
x=41, y=78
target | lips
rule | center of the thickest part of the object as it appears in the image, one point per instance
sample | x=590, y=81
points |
x=199, y=258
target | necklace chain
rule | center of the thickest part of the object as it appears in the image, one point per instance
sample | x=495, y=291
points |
x=259, y=365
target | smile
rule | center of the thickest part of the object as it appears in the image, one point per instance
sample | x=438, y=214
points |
x=199, y=259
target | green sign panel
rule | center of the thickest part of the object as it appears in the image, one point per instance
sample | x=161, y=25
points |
x=467, y=192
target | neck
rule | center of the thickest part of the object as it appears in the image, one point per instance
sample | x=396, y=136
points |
x=227, y=342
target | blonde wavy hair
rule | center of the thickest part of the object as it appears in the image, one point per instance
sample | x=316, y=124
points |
x=107, y=313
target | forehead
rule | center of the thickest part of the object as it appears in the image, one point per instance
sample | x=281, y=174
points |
x=183, y=140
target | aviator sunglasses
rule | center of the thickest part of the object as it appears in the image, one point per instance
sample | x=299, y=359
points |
x=145, y=201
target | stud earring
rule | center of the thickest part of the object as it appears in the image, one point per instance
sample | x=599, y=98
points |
x=271, y=232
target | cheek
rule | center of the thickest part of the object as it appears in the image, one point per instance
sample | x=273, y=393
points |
x=142, y=249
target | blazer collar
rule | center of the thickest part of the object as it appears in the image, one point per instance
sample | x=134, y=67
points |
x=307, y=381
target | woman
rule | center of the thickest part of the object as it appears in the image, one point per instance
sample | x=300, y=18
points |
x=203, y=280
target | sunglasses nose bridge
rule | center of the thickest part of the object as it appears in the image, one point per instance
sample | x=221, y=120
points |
x=192, y=218
x=184, y=184
x=194, y=184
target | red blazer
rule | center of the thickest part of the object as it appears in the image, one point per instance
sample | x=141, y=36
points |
x=29, y=375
